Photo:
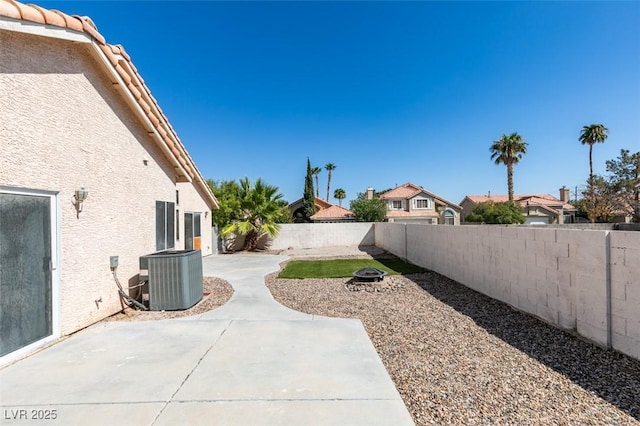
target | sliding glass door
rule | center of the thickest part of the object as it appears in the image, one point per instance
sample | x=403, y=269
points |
x=26, y=265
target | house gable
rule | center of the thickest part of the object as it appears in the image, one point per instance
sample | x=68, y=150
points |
x=413, y=202
x=119, y=70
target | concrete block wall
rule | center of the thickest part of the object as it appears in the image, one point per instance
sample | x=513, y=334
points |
x=314, y=235
x=625, y=292
x=581, y=280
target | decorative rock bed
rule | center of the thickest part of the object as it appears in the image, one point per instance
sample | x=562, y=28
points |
x=387, y=284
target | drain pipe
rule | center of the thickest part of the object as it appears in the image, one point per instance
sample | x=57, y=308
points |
x=130, y=301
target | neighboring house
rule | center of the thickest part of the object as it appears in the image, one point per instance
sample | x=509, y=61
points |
x=537, y=208
x=78, y=121
x=325, y=212
x=411, y=203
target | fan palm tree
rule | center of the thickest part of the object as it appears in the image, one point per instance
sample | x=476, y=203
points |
x=315, y=171
x=329, y=167
x=508, y=150
x=340, y=194
x=590, y=135
x=260, y=206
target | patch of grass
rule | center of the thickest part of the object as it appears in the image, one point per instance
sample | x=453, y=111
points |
x=343, y=268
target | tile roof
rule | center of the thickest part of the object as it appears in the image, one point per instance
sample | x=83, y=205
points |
x=318, y=202
x=333, y=212
x=522, y=199
x=115, y=57
x=410, y=190
x=405, y=191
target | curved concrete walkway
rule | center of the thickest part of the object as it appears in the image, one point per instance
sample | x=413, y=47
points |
x=249, y=362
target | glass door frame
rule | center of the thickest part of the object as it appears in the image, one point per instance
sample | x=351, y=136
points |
x=55, y=271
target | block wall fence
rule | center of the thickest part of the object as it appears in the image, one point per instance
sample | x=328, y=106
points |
x=316, y=235
x=586, y=281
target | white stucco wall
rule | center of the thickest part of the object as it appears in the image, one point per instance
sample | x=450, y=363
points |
x=63, y=127
x=312, y=235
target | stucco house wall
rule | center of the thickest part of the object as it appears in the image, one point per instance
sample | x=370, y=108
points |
x=65, y=128
x=535, y=212
x=66, y=125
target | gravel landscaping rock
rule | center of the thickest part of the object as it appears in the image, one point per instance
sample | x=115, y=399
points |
x=459, y=357
x=216, y=293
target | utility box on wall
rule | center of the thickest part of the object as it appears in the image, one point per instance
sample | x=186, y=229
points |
x=175, y=279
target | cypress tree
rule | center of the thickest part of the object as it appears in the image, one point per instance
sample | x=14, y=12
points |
x=308, y=202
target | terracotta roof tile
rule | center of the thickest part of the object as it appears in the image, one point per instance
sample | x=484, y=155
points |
x=29, y=13
x=533, y=199
x=124, y=55
x=71, y=22
x=135, y=92
x=90, y=28
x=410, y=190
x=333, y=212
x=50, y=17
x=123, y=73
x=406, y=190
x=9, y=10
x=108, y=52
x=133, y=82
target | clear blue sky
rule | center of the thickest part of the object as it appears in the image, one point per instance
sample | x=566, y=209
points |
x=388, y=92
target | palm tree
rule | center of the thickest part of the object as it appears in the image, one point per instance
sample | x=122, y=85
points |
x=590, y=135
x=315, y=171
x=260, y=207
x=329, y=167
x=508, y=150
x=340, y=194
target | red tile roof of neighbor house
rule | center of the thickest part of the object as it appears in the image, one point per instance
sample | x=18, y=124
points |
x=129, y=80
x=333, y=212
x=409, y=190
x=405, y=191
x=524, y=200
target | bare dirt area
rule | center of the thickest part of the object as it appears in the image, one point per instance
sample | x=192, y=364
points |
x=216, y=293
x=459, y=357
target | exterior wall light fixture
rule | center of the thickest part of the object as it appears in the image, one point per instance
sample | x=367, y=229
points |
x=80, y=195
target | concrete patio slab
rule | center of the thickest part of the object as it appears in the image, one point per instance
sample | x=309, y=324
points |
x=250, y=362
x=287, y=413
x=111, y=363
x=290, y=360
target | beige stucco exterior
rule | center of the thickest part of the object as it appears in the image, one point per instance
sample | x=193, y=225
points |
x=65, y=126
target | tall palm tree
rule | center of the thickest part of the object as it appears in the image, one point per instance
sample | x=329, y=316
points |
x=315, y=171
x=340, y=194
x=508, y=150
x=329, y=167
x=590, y=135
x=260, y=206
